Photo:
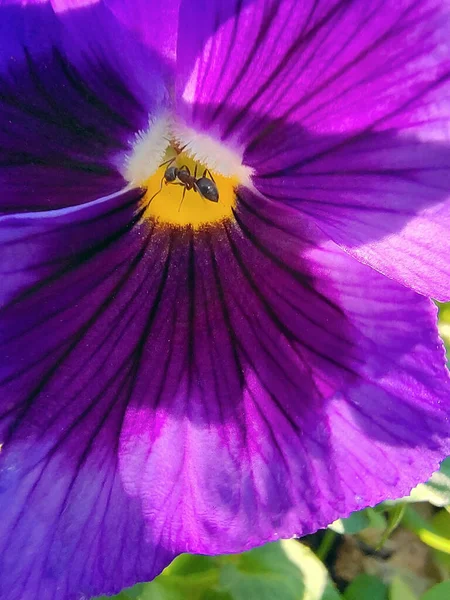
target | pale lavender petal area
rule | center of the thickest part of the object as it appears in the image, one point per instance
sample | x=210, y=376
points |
x=343, y=111
x=171, y=392
x=75, y=88
x=383, y=198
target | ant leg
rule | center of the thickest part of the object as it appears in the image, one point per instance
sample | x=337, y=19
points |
x=182, y=198
x=185, y=168
x=193, y=185
x=158, y=192
x=197, y=189
x=207, y=171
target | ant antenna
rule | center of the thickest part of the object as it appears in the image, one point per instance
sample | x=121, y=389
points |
x=196, y=186
x=167, y=162
x=158, y=192
x=182, y=198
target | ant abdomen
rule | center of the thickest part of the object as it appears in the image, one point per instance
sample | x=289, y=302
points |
x=207, y=189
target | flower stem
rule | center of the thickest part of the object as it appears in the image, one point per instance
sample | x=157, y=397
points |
x=326, y=544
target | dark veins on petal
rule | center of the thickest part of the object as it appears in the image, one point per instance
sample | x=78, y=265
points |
x=69, y=134
x=167, y=391
x=69, y=110
x=346, y=121
x=177, y=382
x=317, y=63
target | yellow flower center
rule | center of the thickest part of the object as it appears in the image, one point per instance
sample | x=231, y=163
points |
x=178, y=195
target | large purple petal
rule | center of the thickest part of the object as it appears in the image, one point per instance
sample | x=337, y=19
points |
x=75, y=88
x=245, y=424
x=169, y=392
x=382, y=197
x=342, y=109
x=76, y=285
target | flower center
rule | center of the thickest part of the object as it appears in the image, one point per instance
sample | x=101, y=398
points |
x=184, y=192
x=190, y=177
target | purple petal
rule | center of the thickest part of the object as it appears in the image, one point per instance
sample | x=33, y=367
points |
x=168, y=392
x=247, y=436
x=383, y=198
x=343, y=111
x=75, y=88
x=155, y=23
x=73, y=281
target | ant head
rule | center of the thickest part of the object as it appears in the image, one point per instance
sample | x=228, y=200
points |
x=208, y=189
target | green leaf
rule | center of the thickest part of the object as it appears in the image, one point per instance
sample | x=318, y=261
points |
x=366, y=587
x=441, y=524
x=400, y=591
x=444, y=325
x=425, y=531
x=317, y=582
x=189, y=577
x=437, y=489
x=255, y=586
x=285, y=570
x=187, y=564
x=265, y=573
x=215, y=595
x=444, y=312
x=156, y=590
x=358, y=521
x=164, y=589
x=441, y=591
x=395, y=516
x=326, y=544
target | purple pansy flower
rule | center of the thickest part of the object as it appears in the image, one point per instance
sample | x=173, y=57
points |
x=180, y=374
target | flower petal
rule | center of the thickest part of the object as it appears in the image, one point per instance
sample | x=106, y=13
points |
x=193, y=389
x=383, y=198
x=156, y=24
x=249, y=437
x=74, y=284
x=342, y=109
x=75, y=88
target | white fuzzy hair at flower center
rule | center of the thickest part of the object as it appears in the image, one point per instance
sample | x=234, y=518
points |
x=150, y=147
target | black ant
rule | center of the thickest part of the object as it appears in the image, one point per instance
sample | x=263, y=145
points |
x=205, y=186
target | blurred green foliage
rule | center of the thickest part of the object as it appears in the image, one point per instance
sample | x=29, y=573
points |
x=285, y=570
x=292, y=570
